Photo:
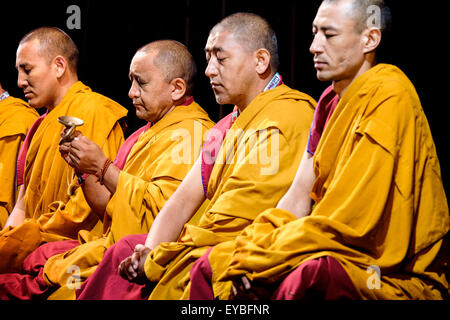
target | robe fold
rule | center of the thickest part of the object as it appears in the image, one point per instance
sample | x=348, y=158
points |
x=55, y=207
x=158, y=161
x=16, y=118
x=254, y=168
x=381, y=209
x=30, y=283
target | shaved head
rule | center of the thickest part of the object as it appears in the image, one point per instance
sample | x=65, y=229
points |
x=252, y=32
x=174, y=60
x=54, y=42
x=360, y=11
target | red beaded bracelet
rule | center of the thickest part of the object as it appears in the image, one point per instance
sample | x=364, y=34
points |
x=101, y=174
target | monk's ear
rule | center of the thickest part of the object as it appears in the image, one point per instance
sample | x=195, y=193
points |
x=60, y=66
x=371, y=39
x=178, y=89
x=262, y=58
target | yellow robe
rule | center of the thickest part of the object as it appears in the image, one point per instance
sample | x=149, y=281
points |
x=55, y=207
x=155, y=167
x=16, y=118
x=242, y=183
x=381, y=209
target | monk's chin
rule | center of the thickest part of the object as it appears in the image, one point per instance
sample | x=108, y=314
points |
x=35, y=104
x=321, y=76
x=220, y=100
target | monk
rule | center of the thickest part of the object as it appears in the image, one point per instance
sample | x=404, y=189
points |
x=379, y=224
x=148, y=169
x=50, y=205
x=16, y=118
x=247, y=164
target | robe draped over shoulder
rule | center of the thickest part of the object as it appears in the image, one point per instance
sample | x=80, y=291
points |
x=156, y=165
x=55, y=207
x=381, y=209
x=16, y=118
x=255, y=166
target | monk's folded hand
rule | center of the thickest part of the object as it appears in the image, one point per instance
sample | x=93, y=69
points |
x=132, y=268
x=85, y=155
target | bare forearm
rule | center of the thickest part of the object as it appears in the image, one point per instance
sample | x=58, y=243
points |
x=167, y=227
x=108, y=184
x=178, y=210
x=96, y=195
x=298, y=205
x=168, y=224
x=111, y=178
x=176, y=213
x=17, y=215
x=297, y=200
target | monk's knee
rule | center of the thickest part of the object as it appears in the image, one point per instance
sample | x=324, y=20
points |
x=200, y=277
x=322, y=278
x=37, y=258
x=202, y=266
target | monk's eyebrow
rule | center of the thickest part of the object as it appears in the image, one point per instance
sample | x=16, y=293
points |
x=325, y=28
x=213, y=50
x=329, y=28
x=23, y=65
x=133, y=74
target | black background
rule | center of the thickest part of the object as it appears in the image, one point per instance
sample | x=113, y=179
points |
x=111, y=32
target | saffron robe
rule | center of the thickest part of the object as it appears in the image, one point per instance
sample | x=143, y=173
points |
x=381, y=210
x=113, y=286
x=155, y=167
x=311, y=278
x=242, y=183
x=30, y=283
x=55, y=207
x=16, y=118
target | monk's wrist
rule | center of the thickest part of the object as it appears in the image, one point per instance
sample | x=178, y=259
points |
x=100, y=174
x=111, y=178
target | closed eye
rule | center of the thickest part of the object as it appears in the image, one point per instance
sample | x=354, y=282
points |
x=330, y=35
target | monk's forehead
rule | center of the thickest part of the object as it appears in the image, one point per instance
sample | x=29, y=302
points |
x=334, y=15
x=215, y=39
x=222, y=40
x=29, y=51
x=142, y=62
x=28, y=46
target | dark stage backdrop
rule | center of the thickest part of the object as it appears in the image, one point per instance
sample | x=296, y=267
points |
x=109, y=32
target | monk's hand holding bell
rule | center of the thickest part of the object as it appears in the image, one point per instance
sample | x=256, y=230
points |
x=85, y=155
x=64, y=147
x=71, y=123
